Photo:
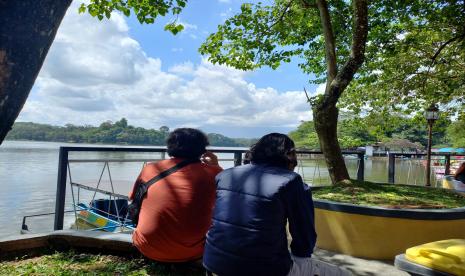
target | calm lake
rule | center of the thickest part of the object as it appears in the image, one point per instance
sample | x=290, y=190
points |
x=28, y=174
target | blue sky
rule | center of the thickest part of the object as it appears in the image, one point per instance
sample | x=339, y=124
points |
x=97, y=71
x=202, y=20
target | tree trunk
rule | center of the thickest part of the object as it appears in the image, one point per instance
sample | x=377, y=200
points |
x=27, y=30
x=325, y=112
x=325, y=119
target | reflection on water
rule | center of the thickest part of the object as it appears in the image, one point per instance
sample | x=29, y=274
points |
x=28, y=178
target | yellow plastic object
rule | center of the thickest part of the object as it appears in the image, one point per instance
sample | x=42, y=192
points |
x=447, y=183
x=446, y=256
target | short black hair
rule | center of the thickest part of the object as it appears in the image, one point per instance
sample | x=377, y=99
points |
x=246, y=159
x=272, y=149
x=186, y=143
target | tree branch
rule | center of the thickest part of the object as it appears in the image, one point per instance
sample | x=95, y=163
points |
x=306, y=94
x=433, y=58
x=283, y=13
x=330, y=44
x=308, y=5
x=458, y=37
x=357, y=54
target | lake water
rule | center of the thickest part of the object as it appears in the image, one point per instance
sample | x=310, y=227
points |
x=28, y=175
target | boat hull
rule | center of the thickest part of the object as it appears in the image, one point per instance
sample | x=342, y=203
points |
x=90, y=219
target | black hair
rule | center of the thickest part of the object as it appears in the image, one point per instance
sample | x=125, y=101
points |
x=186, y=143
x=246, y=159
x=272, y=149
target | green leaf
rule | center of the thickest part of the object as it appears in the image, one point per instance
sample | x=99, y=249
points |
x=146, y=11
x=82, y=8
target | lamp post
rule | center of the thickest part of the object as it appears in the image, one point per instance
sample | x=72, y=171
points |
x=431, y=115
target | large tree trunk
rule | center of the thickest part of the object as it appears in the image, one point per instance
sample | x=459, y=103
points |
x=325, y=112
x=27, y=29
x=325, y=120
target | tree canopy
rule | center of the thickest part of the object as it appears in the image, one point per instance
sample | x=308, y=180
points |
x=355, y=131
x=456, y=132
x=415, y=50
x=145, y=11
x=328, y=38
x=119, y=132
x=421, y=62
x=330, y=41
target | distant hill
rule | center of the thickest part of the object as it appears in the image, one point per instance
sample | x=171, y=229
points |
x=108, y=132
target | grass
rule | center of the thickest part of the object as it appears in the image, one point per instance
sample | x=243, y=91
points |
x=390, y=196
x=72, y=263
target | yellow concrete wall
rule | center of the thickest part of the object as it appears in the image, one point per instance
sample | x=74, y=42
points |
x=380, y=238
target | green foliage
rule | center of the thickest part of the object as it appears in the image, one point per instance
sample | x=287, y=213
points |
x=399, y=73
x=267, y=35
x=145, y=11
x=220, y=140
x=108, y=132
x=72, y=263
x=354, y=131
x=305, y=136
x=164, y=129
x=390, y=196
x=418, y=58
x=456, y=132
x=174, y=28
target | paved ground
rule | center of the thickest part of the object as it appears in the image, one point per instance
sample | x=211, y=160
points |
x=358, y=266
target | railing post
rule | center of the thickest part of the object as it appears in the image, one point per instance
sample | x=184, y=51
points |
x=237, y=158
x=61, y=189
x=361, y=166
x=391, y=168
x=447, y=169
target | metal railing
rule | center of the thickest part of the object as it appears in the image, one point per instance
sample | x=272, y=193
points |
x=392, y=157
x=64, y=171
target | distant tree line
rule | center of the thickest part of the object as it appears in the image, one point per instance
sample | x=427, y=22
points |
x=119, y=132
x=355, y=131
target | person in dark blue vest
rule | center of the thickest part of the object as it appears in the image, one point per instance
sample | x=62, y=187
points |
x=254, y=205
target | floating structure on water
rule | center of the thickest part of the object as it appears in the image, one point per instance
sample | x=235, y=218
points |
x=105, y=214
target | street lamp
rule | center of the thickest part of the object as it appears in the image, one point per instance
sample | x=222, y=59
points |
x=431, y=115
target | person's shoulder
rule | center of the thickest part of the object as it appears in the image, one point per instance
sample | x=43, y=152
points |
x=159, y=165
x=260, y=169
x=281, y=172
x=234, y=170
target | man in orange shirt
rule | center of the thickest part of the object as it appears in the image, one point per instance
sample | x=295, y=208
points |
x=176, y=212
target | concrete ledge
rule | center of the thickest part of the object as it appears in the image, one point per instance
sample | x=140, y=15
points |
x=32, y=244
x=121, y=244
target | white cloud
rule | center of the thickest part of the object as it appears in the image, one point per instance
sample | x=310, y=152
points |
x=227, y=13
x=189, y=29
x=186, y=68
x=187, y=26
x=224, y=1
x=103, y=74
x=320, y=89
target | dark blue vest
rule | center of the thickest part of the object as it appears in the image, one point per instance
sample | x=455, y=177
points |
x=248, y=232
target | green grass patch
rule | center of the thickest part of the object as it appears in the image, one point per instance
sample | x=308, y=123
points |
x=390, y=195
x=72, y=263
